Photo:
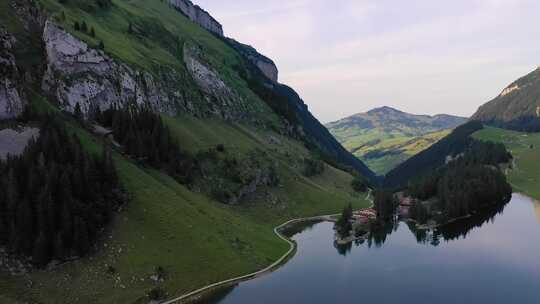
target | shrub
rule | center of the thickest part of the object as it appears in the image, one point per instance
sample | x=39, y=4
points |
x=313, y=167
x=156, y=294
x=359, y=184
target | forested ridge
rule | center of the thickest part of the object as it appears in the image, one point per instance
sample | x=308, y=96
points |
x=434, y=157
x=465, y=185
x=57, y=197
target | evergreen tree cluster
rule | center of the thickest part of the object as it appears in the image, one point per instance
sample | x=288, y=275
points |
x=360, y=184
x=313, y=167
x=384, y=204
x=466, y=189
x=434, y=157
x=467, y=184
x=56, y=198
x=145, y=137
x=343, y=225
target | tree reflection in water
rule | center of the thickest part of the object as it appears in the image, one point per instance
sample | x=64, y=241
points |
x=461, y=228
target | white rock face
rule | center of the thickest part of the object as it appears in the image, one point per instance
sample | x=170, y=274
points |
x=198, y=15
x=77, y=74
x=13, y=142
x=265, y=64
x=12, y=100
x=510, y=89
x=223, y=101
x=269, y=69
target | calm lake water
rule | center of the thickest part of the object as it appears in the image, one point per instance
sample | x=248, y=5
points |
x=493, y=258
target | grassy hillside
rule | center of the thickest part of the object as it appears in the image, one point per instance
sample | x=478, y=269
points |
x=385, y=137
x=382, y=156
x=196, y=240
x=525, y=176
x=156, y=42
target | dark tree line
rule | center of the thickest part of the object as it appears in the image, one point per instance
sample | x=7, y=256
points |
x=385, y=204
x=56, y=198
x=434, y=157
x=467, y=184
x=343, y=225
x=145, y=137
x=313, y=167
x=360, y=184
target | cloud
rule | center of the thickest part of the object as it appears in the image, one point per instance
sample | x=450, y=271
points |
x=420, y=56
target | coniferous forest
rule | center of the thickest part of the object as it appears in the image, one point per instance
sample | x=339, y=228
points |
x=467, y=184
x=57, y=197
x=144, y=136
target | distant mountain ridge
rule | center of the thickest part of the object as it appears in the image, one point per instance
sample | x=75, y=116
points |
x=384, y=137
x=517, y=107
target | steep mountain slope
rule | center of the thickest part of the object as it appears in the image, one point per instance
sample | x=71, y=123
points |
x=517, y=107
x=434, y=157
x=155, y=56
x=74, y=58
x=385, y=137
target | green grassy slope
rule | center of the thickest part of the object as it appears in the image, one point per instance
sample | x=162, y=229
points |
x=196, y=240
x=159, y=35
x=525, y=176
x=385, y=155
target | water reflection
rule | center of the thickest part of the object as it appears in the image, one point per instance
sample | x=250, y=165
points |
x=487, y=258
x=380, y=231
x=536, y=205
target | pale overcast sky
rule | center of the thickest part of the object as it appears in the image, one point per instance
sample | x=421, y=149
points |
x=421, y=56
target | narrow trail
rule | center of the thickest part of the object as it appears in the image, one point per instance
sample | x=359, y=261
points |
x=275, y=265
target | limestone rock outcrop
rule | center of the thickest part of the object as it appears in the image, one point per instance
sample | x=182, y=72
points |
x=198, y=15
x=78, y=74
x=12, y=100
x=223, y=101
x=265, y=64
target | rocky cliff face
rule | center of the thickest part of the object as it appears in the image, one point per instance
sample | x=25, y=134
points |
x=77, y=74
x=12, y=98
x=265, y=64
x=198, y=15
x=206, y=21
x=223, y=101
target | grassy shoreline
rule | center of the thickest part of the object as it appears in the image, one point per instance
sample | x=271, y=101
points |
x=525, y=147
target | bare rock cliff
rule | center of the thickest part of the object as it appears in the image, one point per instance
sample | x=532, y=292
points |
x=223, y=101
x=198, y=15
x=77, y=74
x=12, y=99
x=263, y=63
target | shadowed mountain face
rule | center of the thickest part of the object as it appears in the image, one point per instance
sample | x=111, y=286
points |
x=517, y=107
x=384, y=137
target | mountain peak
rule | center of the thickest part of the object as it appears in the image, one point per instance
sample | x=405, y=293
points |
x=384, y=109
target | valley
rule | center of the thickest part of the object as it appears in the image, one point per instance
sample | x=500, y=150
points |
x=145, y=154
x=385, y=137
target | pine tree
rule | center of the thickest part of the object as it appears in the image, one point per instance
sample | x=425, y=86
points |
x=92, y=32
x=84, y=27
x=77, y=26
x=41, y=251
x=78, y=112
